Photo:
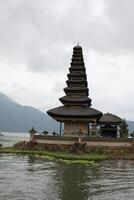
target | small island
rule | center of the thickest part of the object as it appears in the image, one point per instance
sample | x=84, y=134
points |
x=88, y=134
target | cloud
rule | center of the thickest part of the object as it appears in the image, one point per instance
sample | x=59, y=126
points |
x=36, y=40
x=121, y=15
x=36, y=33
x=110, y=80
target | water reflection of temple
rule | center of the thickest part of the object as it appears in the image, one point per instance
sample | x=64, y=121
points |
x=76, y=114
x=73, y=185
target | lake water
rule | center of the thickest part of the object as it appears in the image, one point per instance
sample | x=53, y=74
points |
x=9, y=139
x=30, y=178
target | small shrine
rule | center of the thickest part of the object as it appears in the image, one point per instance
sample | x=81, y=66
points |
x=109, y=125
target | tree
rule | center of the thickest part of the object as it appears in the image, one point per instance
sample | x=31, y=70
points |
x=132, y=134
x=124, y=129
x=54, y=134
x=32, y=132
x=45, y=132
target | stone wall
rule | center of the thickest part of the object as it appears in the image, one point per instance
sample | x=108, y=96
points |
x=90, y=142
x=75, y=127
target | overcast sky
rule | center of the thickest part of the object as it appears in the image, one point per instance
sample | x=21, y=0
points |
x=36, y=41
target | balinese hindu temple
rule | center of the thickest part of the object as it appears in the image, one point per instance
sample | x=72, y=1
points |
x=76, y=114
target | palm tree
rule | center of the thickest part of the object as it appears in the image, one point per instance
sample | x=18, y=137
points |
x=124, y=129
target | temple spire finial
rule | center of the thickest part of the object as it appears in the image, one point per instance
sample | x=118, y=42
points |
x=78, y=44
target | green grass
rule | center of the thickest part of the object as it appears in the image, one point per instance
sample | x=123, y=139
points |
x=82, y=158
x=72, y=157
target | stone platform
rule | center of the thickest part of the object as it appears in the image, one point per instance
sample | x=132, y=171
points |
x=94, y=142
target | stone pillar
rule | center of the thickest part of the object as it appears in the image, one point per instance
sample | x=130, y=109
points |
x=94, y=129
x=88, y=129
x=60, y=128
x=79, y=139
x=118, y=131
x=99, y=130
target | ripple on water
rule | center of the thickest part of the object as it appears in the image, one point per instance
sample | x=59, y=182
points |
x=30, y=178
x=113, y=180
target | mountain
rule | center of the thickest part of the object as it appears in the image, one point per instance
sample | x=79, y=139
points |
x=18, y=118
x=130, y=126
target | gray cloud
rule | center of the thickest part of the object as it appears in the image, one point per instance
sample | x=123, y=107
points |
x=39, y=35
x=121, y=16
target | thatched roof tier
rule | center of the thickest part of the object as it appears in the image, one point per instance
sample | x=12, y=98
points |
x=76, y=82
x=82, y=90
x=80, y=113
x=77, y=75
x=77, y=68
x=109, y=118
x=77, y=58
x=72, y=100
x=77, y=50
x=77, y=54
x=77, y=47
x=77, y=63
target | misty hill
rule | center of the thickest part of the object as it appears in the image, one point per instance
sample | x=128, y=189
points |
x=18, y=118
x=130, y=126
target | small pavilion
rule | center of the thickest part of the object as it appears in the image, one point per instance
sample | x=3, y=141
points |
x=109, y=125
x=76, y=113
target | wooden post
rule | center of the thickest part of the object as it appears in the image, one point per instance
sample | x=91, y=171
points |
x=88, y=130
x=100, y=131
x=60, y=128
x=118, y=131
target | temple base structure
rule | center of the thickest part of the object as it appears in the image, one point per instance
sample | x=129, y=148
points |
x=75, y=128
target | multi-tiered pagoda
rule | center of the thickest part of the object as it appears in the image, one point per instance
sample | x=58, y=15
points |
x=76, y=112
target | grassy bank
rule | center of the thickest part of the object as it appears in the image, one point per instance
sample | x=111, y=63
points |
x=68, y=156
x=57, y=155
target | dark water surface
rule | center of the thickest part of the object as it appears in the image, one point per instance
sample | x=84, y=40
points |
x=29, y=178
